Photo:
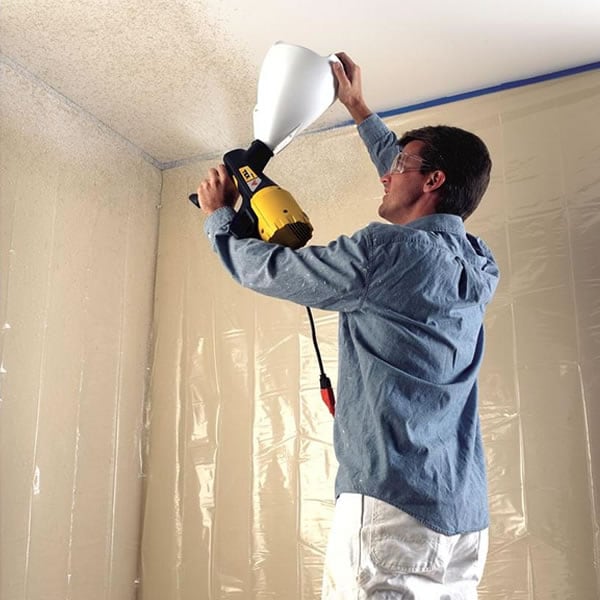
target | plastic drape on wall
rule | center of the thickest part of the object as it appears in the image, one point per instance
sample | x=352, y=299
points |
x=78, y=232
x=239, y=461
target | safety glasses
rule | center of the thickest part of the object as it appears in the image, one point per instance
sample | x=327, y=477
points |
x=404, y=162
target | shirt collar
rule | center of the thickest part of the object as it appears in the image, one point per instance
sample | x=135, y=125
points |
x=439, y=222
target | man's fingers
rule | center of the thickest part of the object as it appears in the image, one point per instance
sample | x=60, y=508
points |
x=348, y=64
x=223, y=174
x=346, y=60
x=216, y=190
x=213, y=175
x=340, y=74
x=212, y=179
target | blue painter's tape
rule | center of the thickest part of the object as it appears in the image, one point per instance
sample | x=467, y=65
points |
x=481, y=92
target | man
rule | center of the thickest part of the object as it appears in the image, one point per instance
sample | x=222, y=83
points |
x=411, y=513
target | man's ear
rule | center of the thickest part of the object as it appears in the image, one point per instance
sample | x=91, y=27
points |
x=434, y=181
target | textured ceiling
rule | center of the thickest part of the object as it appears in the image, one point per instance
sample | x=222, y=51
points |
x=177, y=78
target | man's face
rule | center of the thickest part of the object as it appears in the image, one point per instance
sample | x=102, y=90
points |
x=403, y=191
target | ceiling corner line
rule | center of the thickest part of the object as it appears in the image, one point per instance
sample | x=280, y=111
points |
x=24, y=72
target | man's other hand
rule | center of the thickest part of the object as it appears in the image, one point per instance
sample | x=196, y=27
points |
x=350, y=92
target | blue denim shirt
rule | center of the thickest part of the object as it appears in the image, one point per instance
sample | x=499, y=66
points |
x=411, y=300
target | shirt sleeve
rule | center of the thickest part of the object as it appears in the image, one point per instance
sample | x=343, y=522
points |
x=381, y=142
x=332, y=277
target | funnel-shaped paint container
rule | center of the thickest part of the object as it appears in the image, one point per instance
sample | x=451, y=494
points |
x=295, y=87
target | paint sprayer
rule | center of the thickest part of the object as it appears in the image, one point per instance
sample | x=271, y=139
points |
x=295, y=87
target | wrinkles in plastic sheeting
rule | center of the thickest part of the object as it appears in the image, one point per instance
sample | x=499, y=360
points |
x=75, y=307
x=235, y=450
x=240, y=466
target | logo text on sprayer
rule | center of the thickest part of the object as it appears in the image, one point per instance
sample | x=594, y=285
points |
x=250, y=177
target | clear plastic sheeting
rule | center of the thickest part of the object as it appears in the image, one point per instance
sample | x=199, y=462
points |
x=78, y=233
x=239, y=460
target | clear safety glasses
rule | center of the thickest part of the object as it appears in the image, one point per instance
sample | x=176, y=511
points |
x=407, y=162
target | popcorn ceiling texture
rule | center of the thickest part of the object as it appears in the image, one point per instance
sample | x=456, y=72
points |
x=138, y=67
x=178, y=78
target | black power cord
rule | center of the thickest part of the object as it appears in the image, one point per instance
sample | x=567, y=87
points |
x=325, y=384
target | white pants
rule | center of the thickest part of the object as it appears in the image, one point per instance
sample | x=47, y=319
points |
x=378, y=551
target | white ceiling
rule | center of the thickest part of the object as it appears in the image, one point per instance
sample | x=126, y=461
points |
x=177, y=78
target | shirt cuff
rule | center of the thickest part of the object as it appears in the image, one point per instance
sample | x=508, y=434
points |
x=372, y=129
x=218, y=222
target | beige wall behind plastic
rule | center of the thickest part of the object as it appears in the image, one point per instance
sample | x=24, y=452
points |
x=78, y=233
x=240, y=466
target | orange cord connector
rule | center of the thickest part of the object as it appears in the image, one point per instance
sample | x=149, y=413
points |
x=327, y=394
x=326, y=388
